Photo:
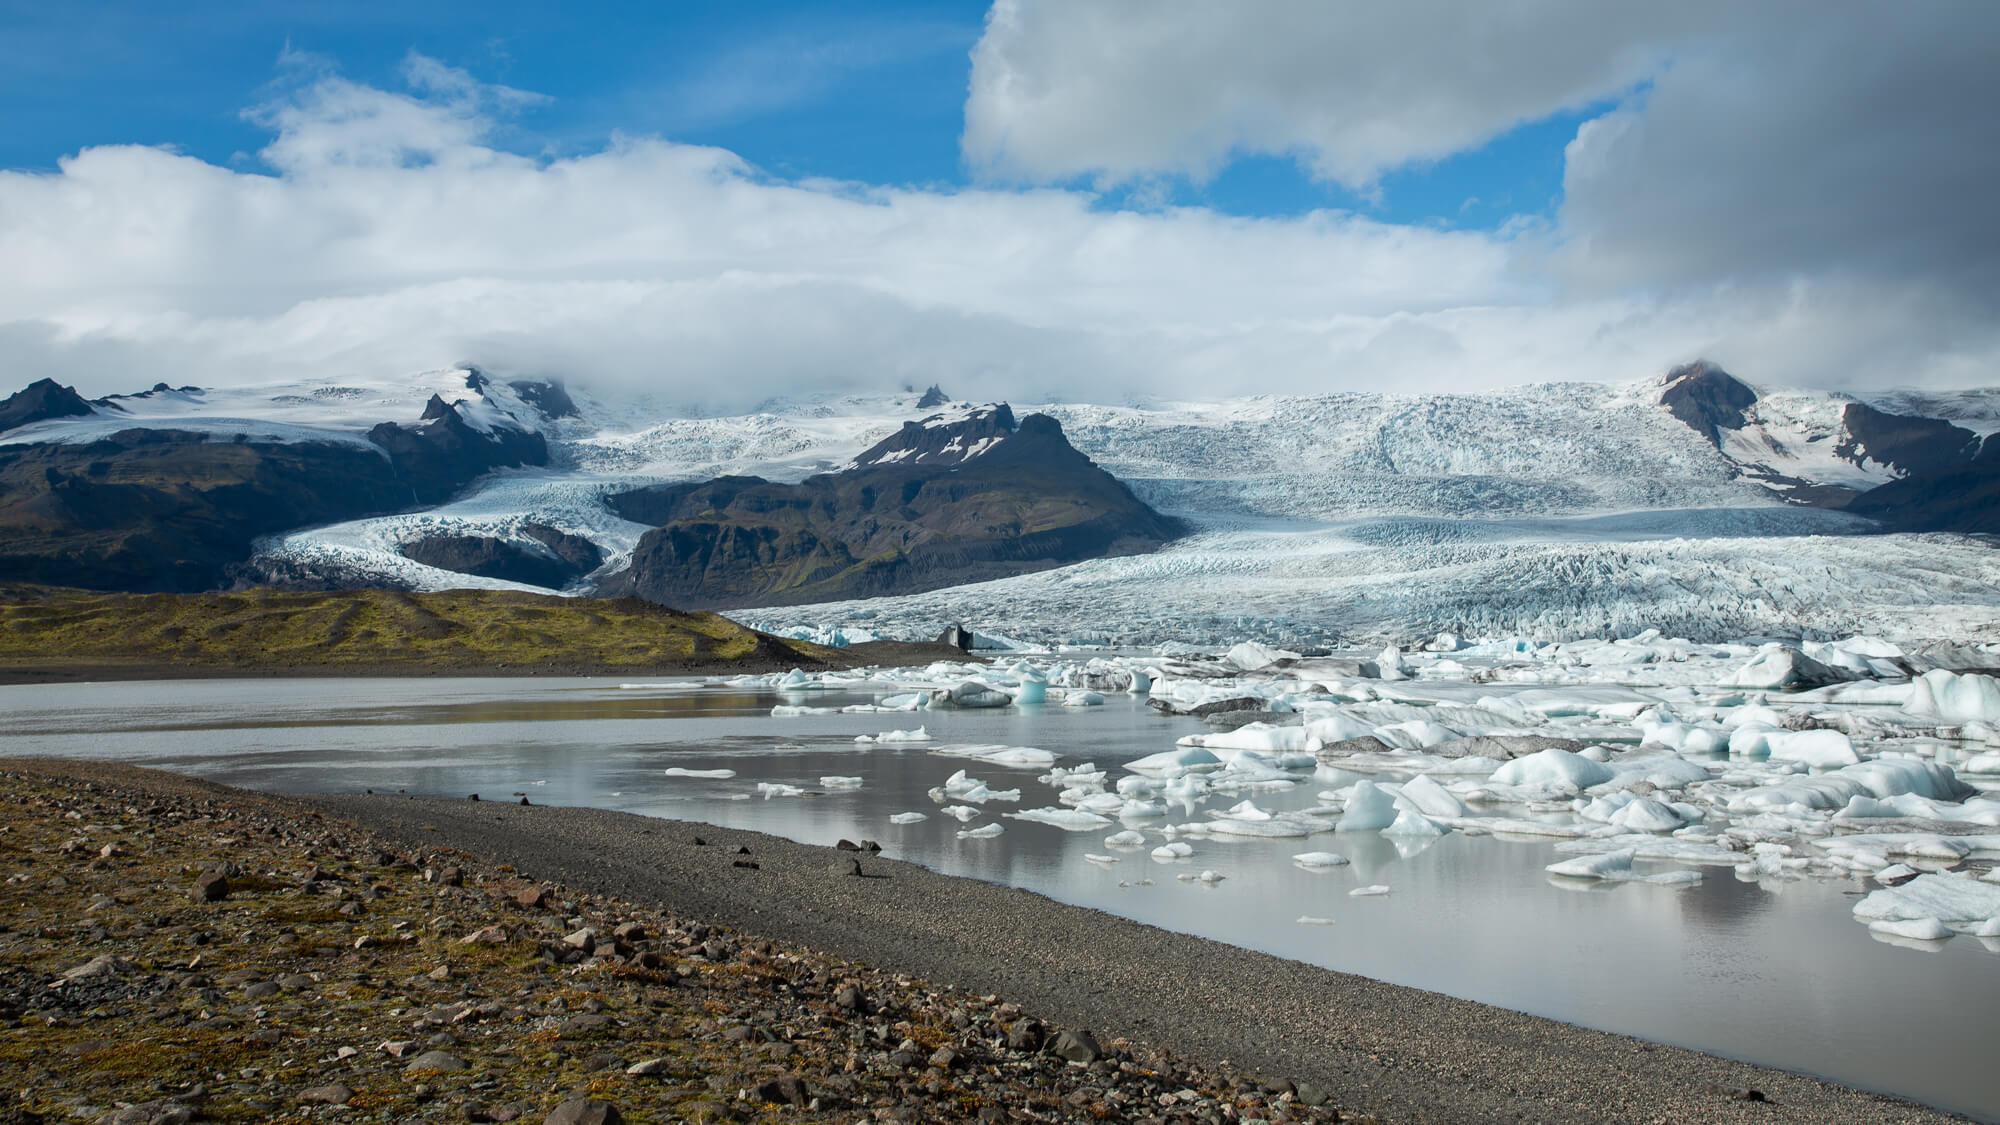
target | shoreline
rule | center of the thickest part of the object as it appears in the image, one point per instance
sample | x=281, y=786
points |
x=1397, y=1052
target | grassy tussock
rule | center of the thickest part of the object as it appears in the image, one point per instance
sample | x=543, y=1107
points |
x=369, y=630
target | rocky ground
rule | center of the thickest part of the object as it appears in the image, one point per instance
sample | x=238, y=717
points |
x=175, y=951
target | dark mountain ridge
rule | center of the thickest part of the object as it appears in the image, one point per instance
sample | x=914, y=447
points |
x=166, y=509
x=939, y=503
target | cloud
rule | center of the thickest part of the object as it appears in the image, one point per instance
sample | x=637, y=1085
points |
x=394, y=232
x=1103, y=88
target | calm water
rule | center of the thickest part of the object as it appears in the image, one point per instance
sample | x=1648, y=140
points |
x=1779, y=974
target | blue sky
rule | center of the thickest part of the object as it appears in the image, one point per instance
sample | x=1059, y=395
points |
x=1077, y=198
x=872, y=95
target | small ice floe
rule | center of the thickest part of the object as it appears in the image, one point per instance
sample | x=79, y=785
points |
x=836, y=782
x=1370, y=808
x=1369, y=891
x=1616, y=867
x=960, y=813
x=1191, y=758
x=908, y=818
x=1095, y=858
x=967, y=788
x=769, y=789
x=1928, y=931
x=1082, y=699
x=921, y=734
x=983, y=832
x=1178, y=849
x=678, y=771
x=1310, y=920
x=1069, y=820
x=1125, y=839
x=1956, y=902
x=1211, y=877
x=790, y=710
x=1895, y=873
x=1020, y=757
x=1319, y=859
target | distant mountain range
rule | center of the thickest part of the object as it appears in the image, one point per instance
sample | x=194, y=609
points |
x=456, y=478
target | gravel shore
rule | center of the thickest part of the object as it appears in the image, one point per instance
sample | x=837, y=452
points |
x=1398, y=1053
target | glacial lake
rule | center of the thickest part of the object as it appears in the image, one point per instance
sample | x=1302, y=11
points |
x=1778, y=973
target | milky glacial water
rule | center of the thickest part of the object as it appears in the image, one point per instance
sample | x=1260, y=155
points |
x=1778, y=973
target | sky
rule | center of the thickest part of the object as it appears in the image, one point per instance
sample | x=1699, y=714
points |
x=1109, y=200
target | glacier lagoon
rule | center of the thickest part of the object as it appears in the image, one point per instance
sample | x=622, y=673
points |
x=1744, y=963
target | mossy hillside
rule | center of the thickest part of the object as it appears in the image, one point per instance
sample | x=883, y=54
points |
x=377, y=630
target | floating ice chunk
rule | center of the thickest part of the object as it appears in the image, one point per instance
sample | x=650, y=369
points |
x=1319, y=859
x=836, y=782
x=1095, y=858
x=1033, y=690
x=794, y=678
x=1779, y=667
x=1915, y=929
x=1309, y=920
x=1245, y=810
x=908, y=818
x=1647, y=815
x=1554, y=768
x=1082, y=699
x=1986, y=763
x=1432, y=799
x=960, y=813
x=677, y=771
x=1250, y=736
x=1211, y=877
x=1895, y=873
x=1251, y=656
x=768, y=789
x=1136, y=786
x=1176, y=850
x=1019, y=757
x=1943, y=897
x=1125, y=839
x=1264, y=829
x=1368, y=891
x=1069, y=820
x=1191, y=758
x=788, y=710
x=1338, y=727
x=1887, y=777
x=1391, y=665
x=983, y=832
x=1820, y=749
x=1370, y=808
x=1617, y=867
x=1955, y=698
x=972, y=789
x=1920, y=845
x=921, y=734
x=1409, y=822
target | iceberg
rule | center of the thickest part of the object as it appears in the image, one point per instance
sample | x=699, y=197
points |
x=1319, y=859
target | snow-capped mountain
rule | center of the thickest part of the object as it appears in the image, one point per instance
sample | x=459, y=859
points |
x=1691, y=501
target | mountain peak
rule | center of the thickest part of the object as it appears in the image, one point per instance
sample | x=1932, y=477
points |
x=1707, y=398
x=942, y=439
x=40, y=401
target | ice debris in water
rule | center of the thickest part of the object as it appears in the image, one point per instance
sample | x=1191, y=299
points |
x=1369, y=891
x=1319, y=859
x=840, y=783
x=1310, y=920
x=681, y=771
x=983, y=832
x=907, y=818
